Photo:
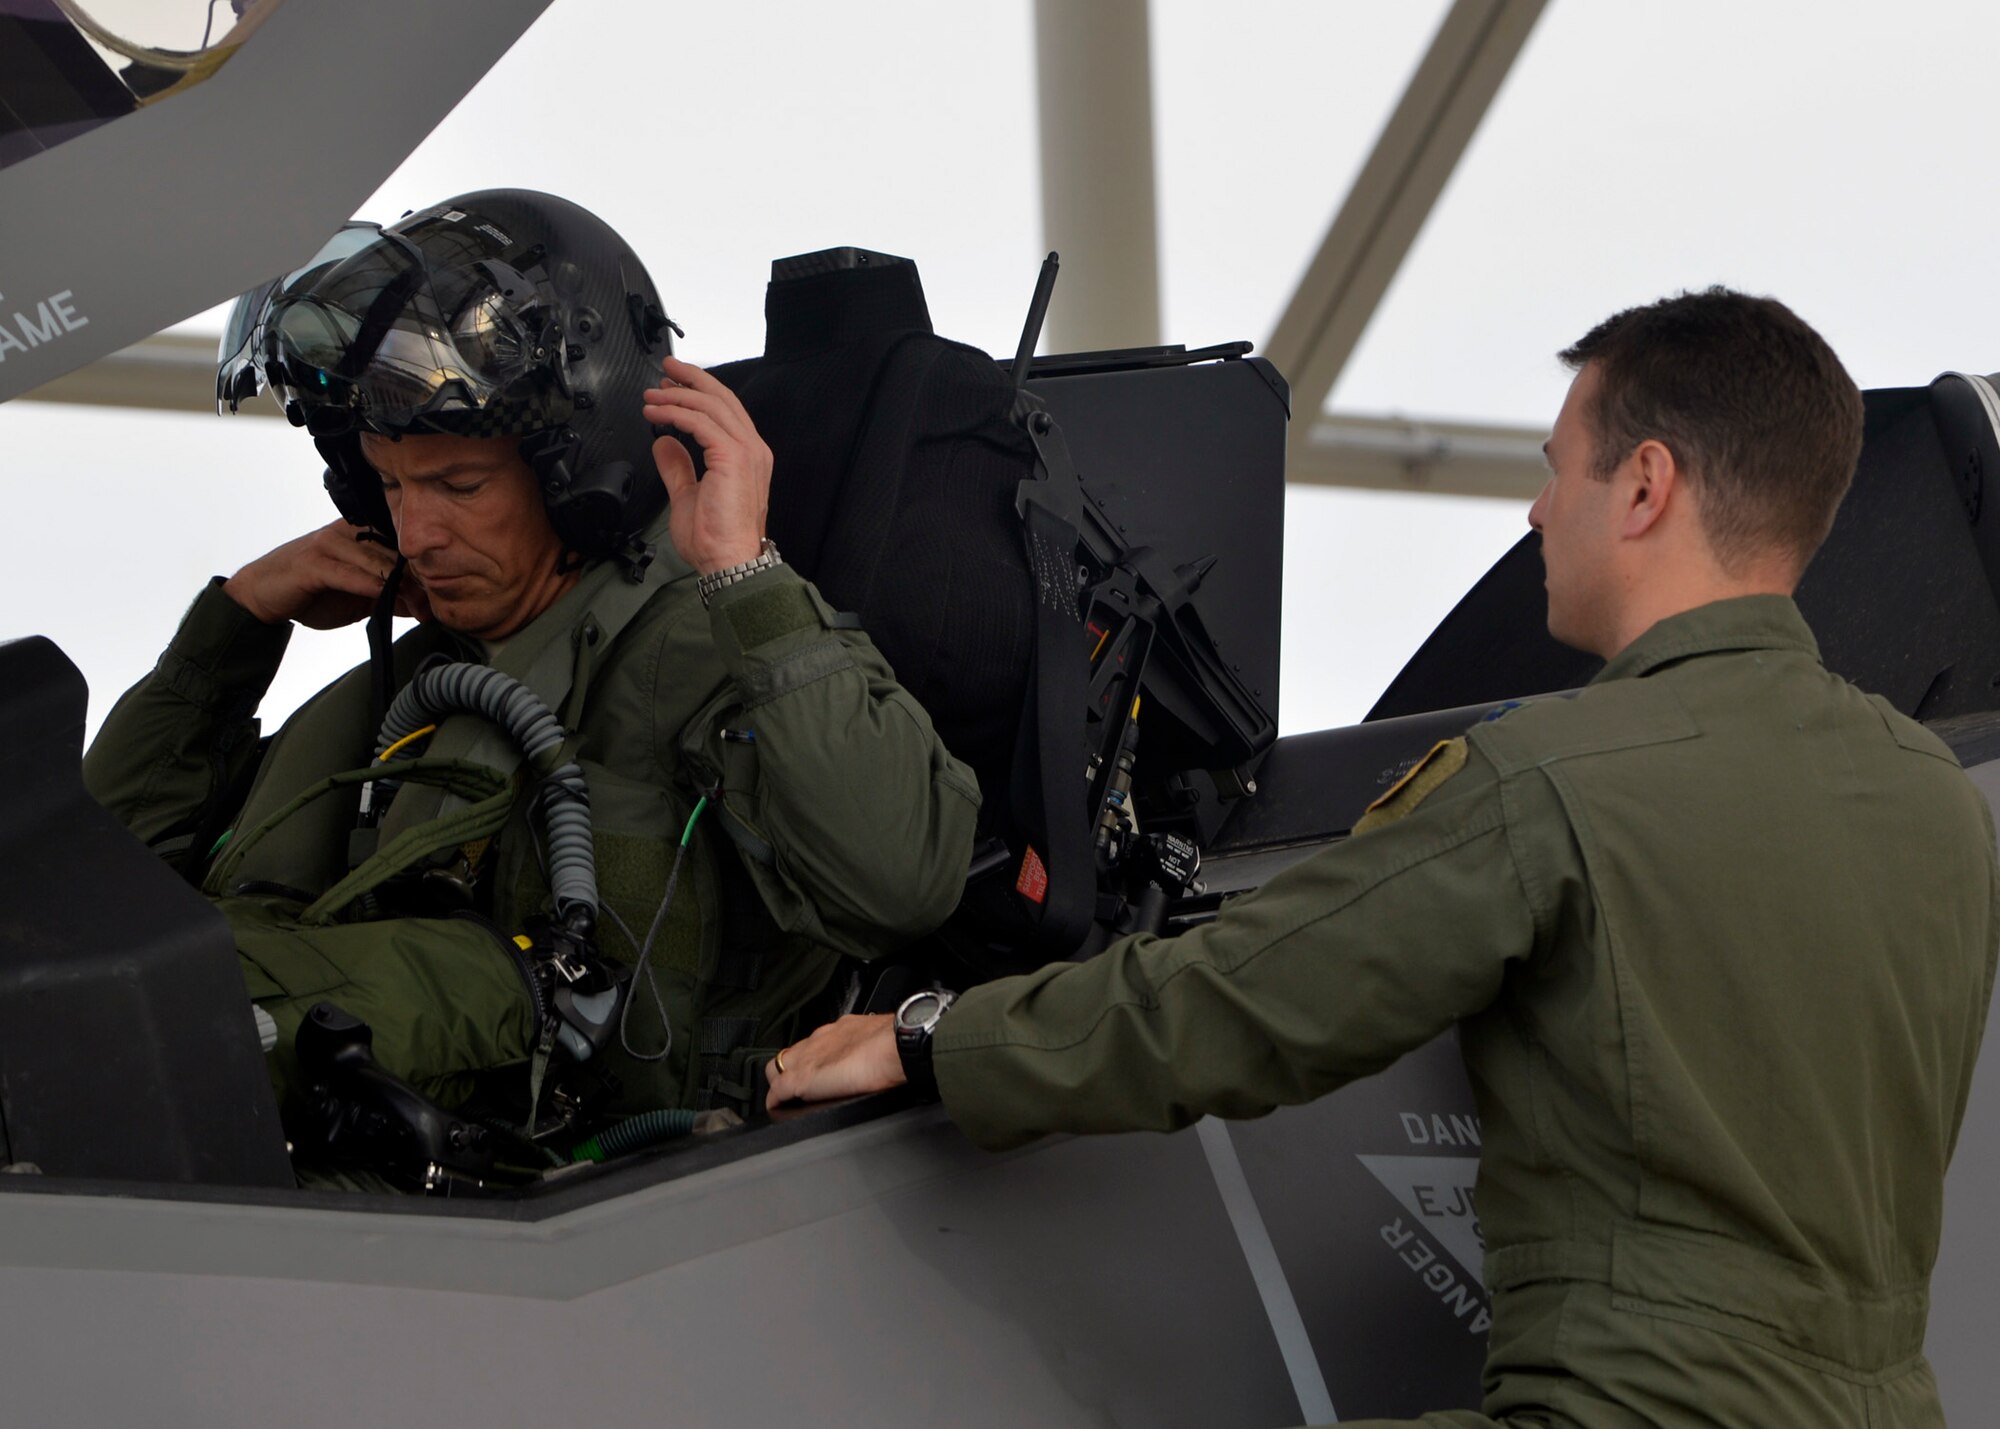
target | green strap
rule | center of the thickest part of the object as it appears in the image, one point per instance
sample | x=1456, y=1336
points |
x=456, y=775
x=719, y=1036
x=479, y=820
x=538, y=1070
x=589, y=645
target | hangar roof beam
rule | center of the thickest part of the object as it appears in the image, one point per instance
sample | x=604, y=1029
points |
x=1455, y=83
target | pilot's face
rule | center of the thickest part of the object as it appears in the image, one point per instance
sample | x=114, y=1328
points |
x=1576, y=515
x=471, y=522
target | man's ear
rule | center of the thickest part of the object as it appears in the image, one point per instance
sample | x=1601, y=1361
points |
x=1654, y=478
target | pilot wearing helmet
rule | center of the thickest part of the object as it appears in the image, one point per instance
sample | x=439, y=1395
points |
x=628, y=791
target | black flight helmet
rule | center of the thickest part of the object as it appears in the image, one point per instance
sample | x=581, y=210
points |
x=504, y=313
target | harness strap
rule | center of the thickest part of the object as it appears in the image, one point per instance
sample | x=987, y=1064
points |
x=1056, y=886
x=590, y=643
x=473, y=824
x=724, y=1045
x=739, y=966
x=381, y=663
x=459, y=777
x=538, y=1070
x=719, y=1036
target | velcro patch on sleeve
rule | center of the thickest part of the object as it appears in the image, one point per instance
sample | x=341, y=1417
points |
x=763, y=616
x=1446, y=758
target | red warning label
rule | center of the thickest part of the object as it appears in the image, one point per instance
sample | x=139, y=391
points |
x=1033, y=884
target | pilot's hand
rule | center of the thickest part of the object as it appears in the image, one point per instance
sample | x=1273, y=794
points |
x=326, y=578
x=718, y=521
x=844, y=1058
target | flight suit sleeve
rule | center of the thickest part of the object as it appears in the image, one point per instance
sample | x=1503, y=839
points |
x=1328, y=973
x=181, y=738
x=857, y=820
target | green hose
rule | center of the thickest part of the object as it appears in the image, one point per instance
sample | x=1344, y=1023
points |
x=636, y=1133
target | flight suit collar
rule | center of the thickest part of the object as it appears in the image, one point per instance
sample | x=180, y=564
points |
x=1748, y=622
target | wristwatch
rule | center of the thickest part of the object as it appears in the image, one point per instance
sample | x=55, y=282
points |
x=766, y=557
x=916, y=1020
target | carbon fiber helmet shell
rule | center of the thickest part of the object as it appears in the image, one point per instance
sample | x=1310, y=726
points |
x=579, y=419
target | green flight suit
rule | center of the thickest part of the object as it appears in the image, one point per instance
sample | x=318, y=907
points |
x=836, y=823
x=1718, y=935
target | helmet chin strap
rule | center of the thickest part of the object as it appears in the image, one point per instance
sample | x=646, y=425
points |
x=381, y=664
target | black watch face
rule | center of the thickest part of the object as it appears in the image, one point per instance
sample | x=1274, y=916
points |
x=920, y=1009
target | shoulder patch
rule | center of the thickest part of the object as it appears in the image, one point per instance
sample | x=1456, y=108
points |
x=1446, y=758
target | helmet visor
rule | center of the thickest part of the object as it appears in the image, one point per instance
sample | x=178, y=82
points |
x=389, y=340
x=238, y=371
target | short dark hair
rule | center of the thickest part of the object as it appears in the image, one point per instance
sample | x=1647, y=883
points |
x=1751, y=401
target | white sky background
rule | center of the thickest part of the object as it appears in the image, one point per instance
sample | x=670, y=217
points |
x=1829, y=153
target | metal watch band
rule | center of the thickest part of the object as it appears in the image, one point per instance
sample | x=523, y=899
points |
x=913, y=1039
x=766, y=557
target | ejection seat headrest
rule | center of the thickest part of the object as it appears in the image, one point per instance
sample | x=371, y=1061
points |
x=1966, y=408
x=893, y=486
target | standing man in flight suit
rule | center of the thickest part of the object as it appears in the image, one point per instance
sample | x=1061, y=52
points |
x=1718, y=935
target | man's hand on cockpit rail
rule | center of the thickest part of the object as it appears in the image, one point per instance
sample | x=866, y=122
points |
x=845, y=1058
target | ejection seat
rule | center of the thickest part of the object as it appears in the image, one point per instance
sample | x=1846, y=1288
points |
x=913, y=481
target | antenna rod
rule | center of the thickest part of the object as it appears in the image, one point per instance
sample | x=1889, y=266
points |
x=1038, y=311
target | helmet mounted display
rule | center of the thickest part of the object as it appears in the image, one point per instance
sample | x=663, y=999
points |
x=239, y=372
x=388, y=341
x=497, y=314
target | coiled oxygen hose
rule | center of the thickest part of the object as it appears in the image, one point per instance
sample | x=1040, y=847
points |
x=457, y=687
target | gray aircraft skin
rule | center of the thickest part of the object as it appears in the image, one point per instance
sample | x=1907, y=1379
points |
x=856, y=1263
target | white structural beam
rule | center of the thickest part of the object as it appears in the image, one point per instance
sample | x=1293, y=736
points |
x=1418, y=454
x=1475, y=47
x=175, y=372
x=1094, y=89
